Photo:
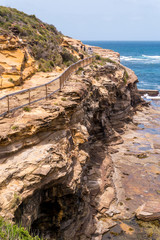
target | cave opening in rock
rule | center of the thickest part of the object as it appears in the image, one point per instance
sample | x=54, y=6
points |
x=50, y=212
x=47, y=222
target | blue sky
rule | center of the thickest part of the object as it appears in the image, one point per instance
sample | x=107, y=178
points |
x=97, y=19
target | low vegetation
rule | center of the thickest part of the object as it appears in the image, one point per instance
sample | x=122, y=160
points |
x=13, y=232
x=27, y=109
x=126, y=76
x=14, y=127
x=42, y=39
x=102, y=61
x=80, y=70
x=152, y=228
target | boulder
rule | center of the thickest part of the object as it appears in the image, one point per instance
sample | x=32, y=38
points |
x=149, y=211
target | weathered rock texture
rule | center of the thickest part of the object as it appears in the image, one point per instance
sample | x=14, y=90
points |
x=16, y=64
x=77, y=44
x=149, y=211
x=56, y=174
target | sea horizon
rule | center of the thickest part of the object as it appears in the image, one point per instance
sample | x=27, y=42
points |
x=120, y=40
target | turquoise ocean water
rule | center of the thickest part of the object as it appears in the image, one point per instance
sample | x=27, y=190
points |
x=142, y=57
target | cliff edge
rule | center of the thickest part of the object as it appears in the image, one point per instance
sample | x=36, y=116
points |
x=56, y=171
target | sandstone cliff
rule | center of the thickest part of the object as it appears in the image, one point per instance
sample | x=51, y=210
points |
x=56, y=172
x=16, y=64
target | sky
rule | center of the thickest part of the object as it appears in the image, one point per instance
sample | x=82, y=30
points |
x=97, y=19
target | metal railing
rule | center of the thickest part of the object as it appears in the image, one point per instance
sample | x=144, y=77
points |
x=8, y=102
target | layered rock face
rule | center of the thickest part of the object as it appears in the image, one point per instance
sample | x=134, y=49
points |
x=56, y=173
x=16, y=64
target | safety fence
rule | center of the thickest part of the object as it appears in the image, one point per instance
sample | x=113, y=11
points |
x=20, y=99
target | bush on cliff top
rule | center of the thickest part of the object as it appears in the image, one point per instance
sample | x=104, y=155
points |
x=42, y=39
x=13, y=232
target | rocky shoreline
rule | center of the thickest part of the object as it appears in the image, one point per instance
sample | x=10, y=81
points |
x=136, y=177
x=62, y=162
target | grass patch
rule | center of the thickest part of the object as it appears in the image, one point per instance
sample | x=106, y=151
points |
x=27, y=109
x=109, y=60
x=102, y=61
x=79, y=71
x=14, y=127
x=63, y=99
x=13, y=232
x=10, y=80
x=125, y=76
x=16, y=200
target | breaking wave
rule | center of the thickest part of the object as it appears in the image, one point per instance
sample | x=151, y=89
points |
x=146, y=59
x=146, y=96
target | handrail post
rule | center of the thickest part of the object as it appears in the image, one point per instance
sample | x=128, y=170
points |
x=60, y=82
x=46, y=91
x=8, y=103
x=29, y=93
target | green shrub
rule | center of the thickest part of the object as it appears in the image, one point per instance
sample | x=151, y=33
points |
x=10, y=80
x=68, y=57
x=81, y=69
x=98, y=57
x=43, y=40
x=68, y=63
x=45, y=66
x=13, y=232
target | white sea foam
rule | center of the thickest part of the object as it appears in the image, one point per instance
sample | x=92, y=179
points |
x=146, y=59
x=151, y=57
x=146, y=96
x=130, y=58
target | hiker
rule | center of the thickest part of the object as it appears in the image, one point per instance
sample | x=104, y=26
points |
x=90, y=51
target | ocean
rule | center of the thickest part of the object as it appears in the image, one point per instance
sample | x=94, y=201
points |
x=142, y=57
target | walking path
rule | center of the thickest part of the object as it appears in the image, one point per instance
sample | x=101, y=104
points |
x=26, y=96
x=36, y=80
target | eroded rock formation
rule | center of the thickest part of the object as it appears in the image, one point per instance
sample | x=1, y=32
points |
x=16, y=64
x=56, y=173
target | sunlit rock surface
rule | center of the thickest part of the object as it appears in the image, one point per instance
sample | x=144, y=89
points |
x=16, y=64
x=56, y=174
